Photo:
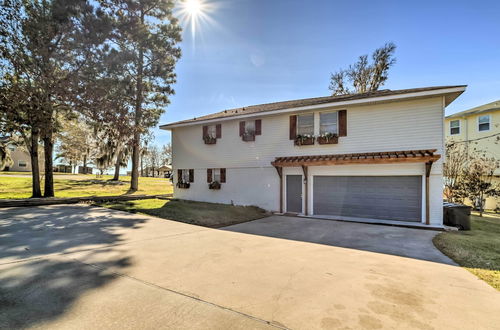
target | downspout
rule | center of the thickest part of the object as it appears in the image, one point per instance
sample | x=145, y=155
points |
x=428, y=167
x=466, y=123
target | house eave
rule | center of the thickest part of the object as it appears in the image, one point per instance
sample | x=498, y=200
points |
x=450, y=95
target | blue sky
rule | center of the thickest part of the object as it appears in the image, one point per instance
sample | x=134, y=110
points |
x=259, y=51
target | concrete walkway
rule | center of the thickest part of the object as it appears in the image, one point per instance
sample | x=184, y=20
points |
x=72, y=266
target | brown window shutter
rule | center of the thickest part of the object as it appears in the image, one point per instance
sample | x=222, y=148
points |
x=293, y=127
x=191, y=175
x=242, y=128
x=258, y=127
x=218, y=131
x=209, y=175
x=205, y=131
x=222, y=175
x=343, y=123
x=179, y=175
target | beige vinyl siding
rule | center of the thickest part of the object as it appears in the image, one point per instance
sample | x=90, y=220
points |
x=416, y=124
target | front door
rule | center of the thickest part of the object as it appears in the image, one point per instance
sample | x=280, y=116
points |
x=294, y=193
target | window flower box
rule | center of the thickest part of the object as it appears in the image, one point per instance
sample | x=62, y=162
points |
x=247, y=137
x=183, y=185
x=328, y=138
x=210, y=139
x=214, y=185
x=304, y=140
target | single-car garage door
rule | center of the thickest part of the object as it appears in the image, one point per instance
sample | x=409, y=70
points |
x=372, y=197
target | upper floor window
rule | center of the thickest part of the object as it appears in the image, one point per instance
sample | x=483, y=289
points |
x=454, y=127
x=328, y=123
x=484, y=123
x=250, y=127
x=305, y=124
x=12, y=148
x=211, y=131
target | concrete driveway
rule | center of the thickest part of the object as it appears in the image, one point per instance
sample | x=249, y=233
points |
x=83, y=267
x=399, y=241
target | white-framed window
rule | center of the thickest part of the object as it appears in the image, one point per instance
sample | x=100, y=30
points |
x=305, y=124
x=250, y=127
x=454, y=127
x=483, y=123
x=328, y=122
x=185, y=175
x=22, y=163
x=212, y=131
x=12, y=148
x=216, y=174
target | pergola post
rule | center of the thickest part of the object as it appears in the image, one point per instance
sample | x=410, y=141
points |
x=306, y=190
x=279, y=169
x=428, y=166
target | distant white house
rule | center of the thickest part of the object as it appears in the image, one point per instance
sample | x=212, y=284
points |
x=21, y=160
x=372, y=156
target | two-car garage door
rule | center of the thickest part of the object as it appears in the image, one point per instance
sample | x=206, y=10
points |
x=373, y=197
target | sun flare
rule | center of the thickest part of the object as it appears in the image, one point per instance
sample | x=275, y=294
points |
x=193, y=7
x=193, y=13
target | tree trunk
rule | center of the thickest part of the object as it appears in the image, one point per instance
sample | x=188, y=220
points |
x=117, y=167
x=85, y=164
x=48, y=147
x=134, y=180
x=36, y=190
x=142, y=164
x=481, y=210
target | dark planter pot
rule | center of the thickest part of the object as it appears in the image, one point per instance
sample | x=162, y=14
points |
x=183, y=185
x=304, y=142
x=248, y=137
x=214, y=185
x=332, y=140
x=209, y=140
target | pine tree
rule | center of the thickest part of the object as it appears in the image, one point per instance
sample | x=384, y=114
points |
x=144, y=42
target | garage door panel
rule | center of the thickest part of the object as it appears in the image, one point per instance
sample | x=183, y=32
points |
x=378, y=197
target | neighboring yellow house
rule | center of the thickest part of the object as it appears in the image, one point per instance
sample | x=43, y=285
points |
x=479, y=129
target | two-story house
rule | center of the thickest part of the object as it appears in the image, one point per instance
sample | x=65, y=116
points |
x=479, y=130
x=374, y=156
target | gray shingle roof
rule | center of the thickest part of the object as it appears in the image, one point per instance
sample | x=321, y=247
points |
x=268, y=107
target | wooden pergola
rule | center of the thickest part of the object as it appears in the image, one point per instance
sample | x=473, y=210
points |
x=427, y=156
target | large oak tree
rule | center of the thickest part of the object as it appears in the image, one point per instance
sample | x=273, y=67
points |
x=44, y=44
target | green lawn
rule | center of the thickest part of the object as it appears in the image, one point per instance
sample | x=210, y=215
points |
x=478, y=250
x=197, y=213
x=82, y=186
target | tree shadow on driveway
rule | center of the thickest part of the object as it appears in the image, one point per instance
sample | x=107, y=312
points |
x=39, y=280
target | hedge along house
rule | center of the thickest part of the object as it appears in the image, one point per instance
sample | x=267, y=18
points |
x=374, y=156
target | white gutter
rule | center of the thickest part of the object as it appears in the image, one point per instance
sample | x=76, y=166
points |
x=320, y=106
